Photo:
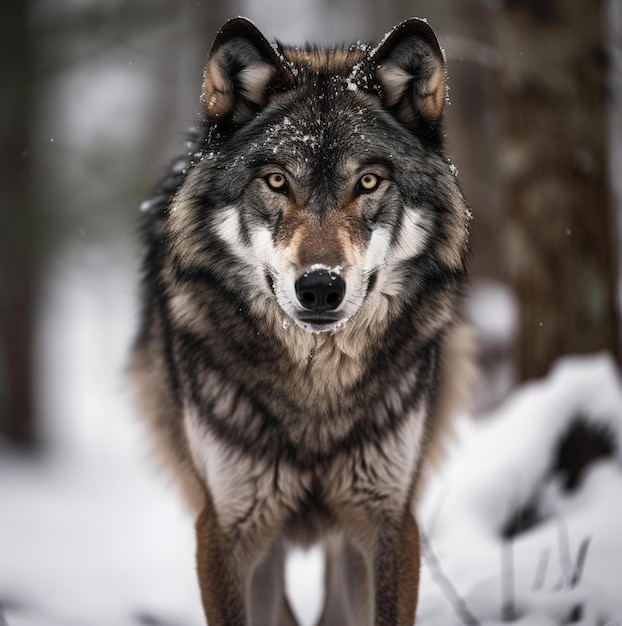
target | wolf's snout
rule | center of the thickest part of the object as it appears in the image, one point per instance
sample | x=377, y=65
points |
x=320, y=290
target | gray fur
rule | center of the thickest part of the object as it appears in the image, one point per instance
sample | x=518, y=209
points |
x=285, y=428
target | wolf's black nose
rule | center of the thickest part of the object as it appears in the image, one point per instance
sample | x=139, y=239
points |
x=320, y=290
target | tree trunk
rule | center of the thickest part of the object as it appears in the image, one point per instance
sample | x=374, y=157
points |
x=17, y=249
x=553, y=97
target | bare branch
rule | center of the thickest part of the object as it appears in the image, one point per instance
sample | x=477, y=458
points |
x=565, y=560
x=508, y=608
x=543, y=563
x=581, y=557
x=449, y=591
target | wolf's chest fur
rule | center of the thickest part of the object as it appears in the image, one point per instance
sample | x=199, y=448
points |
x=301, y=340
x=250, y=490
x=306, y=401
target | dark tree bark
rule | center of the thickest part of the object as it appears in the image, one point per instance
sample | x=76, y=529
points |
x=553, y=98
x=16, y=227
x=472, y=62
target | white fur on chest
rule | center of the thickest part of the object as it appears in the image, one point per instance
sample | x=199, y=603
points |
x=256, y=492
x=378, y=475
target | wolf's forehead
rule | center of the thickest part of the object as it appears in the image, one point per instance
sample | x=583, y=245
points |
x=308, y=130
x=336, y=61
x=303, y=134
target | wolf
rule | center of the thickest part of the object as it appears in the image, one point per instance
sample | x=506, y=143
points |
x=301, y=342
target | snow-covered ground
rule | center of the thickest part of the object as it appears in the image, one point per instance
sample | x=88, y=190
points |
x=565, y=565
x=93, y=533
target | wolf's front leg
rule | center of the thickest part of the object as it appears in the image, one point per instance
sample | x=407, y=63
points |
x=396, y=572
x=241, y=574
x=220, y=579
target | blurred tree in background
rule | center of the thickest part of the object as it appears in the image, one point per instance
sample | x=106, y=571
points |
x=554, y=96
x=96, y=97
x=20, y=232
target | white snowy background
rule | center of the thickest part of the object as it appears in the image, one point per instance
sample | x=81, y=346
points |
x=94, y=534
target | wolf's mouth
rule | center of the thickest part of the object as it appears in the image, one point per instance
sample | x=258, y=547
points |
x=317, y=324
x=320, y=321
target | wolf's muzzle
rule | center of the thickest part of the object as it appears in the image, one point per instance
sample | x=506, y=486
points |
x=320, y=290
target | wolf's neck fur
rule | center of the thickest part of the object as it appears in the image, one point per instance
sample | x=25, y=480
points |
x=333, y=361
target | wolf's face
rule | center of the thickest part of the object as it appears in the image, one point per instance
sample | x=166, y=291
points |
x=323, y=185
x=326, y=215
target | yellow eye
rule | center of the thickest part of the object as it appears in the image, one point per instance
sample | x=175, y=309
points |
x=368, y=182
x=276, y=182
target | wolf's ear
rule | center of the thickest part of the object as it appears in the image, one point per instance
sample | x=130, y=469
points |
x=410, y=67
x=242, y=70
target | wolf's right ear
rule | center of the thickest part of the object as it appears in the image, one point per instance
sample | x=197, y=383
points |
x=411, y=69
x=242, y=70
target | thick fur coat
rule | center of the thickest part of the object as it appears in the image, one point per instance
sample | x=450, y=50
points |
x=301, y=343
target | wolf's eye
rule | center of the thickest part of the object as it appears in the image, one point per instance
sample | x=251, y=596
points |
x=276, y=182
x=368, y=183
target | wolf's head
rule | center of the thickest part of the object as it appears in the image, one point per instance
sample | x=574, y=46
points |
x=321, y=181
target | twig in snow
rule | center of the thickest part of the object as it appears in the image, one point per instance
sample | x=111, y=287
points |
x=565, y=560
x=508, y=608
x=543, y=563
x=581, y=556
x=577, y=611
x=434, y=517
x=458, y=604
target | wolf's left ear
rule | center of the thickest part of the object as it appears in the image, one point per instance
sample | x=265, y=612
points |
x=410, y=68
x=242, y=70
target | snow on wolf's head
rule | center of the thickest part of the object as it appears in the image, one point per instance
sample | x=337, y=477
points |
x=324, y=175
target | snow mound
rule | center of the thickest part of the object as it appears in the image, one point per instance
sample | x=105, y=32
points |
x=522, y=524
